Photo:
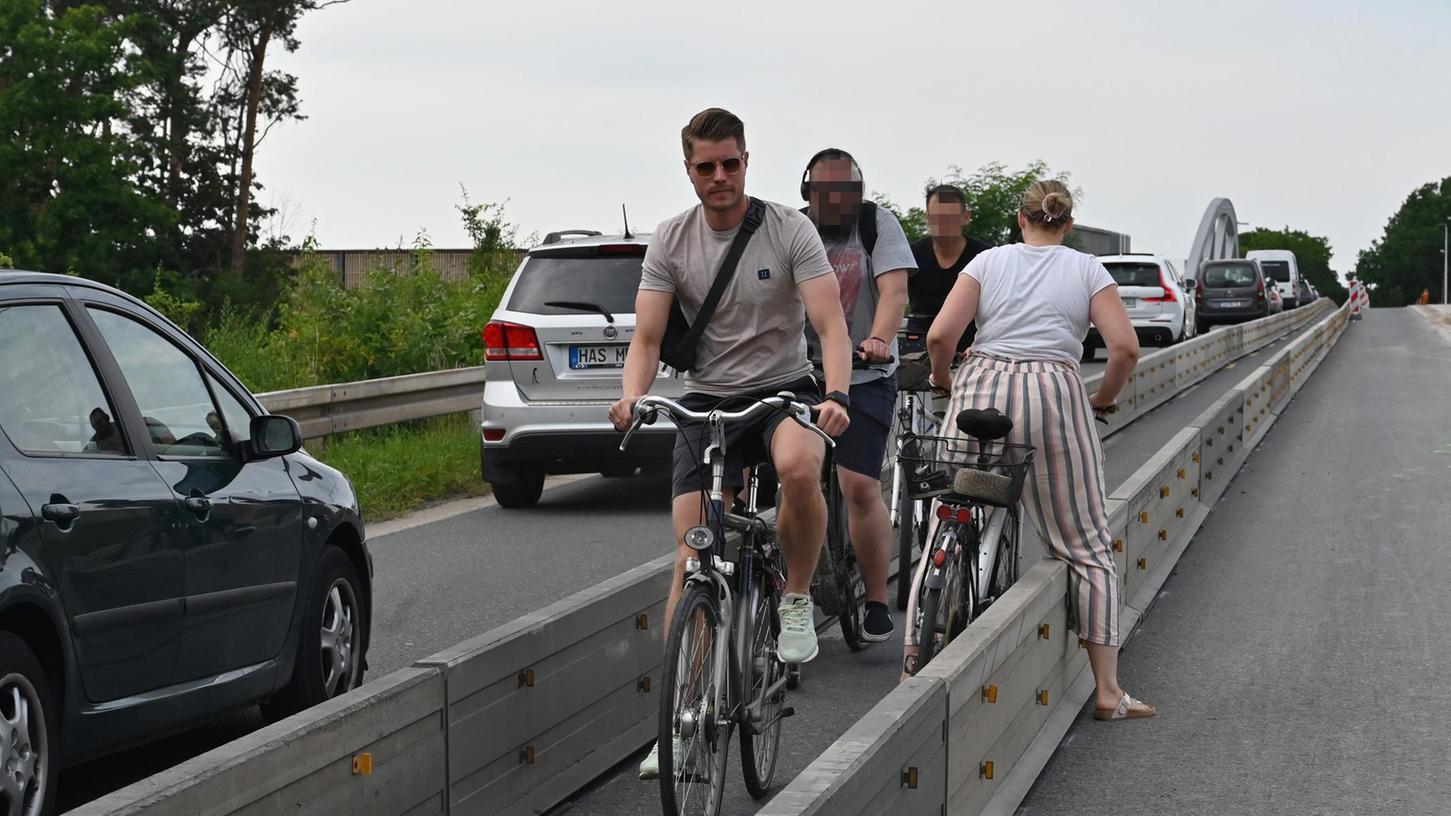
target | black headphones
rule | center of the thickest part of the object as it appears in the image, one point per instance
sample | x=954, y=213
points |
x=833, y=152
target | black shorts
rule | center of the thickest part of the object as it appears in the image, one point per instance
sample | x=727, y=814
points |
x=747, y=443
x=863, y=448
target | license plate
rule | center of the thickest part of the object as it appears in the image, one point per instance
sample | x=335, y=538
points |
x=1130, y=303
x=597, y=356
x=1234, y=304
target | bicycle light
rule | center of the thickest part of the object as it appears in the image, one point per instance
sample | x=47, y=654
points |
x=699, y=538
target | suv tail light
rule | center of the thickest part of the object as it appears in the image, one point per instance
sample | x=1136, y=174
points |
x=510, y=341
x=1199, y=289
x=1168, y=292
x=1260, y=290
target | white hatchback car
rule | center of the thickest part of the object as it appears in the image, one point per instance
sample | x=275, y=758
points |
x=1153, y=292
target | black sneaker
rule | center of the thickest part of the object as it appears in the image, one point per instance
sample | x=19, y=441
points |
x=877, y=625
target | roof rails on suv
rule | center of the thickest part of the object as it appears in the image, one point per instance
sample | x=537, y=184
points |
x=556, y=237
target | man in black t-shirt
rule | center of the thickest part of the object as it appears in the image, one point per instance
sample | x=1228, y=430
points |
x=941, y=257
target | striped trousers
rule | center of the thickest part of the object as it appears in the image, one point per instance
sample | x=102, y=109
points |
x=1064, y=495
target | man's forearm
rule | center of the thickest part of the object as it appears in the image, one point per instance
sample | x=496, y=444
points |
x=889, y=316
x=641, y=363
x=836, y=358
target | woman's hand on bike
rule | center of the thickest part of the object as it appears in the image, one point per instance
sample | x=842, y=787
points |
x=1102, y=406
x=831, y=417
x=940, y=381
x=622, y=413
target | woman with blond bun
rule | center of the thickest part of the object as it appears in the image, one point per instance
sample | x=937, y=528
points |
x=1033, y=303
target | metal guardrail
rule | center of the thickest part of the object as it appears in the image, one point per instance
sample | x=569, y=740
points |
x=516, y=719
x=324, y=410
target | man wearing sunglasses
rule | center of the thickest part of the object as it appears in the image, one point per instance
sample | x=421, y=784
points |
x=753, y=346
x=869, y=253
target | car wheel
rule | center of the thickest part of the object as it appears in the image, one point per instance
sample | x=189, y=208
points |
x=330, y=647
x=1089, y=350
x=523, y=491
x=28, y=736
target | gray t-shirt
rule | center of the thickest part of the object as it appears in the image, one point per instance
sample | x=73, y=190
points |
x=756, y=339
x=856, y=275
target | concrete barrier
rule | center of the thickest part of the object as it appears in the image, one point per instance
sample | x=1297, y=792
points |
x=1016, y=678
x=515, y=720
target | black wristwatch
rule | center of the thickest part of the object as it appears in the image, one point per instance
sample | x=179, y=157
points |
x=839, y=398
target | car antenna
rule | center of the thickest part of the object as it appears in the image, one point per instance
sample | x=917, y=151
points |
x=626, y=216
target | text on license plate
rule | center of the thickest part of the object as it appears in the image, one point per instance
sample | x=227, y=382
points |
x=1130, y=303
x=608, y=356
x=1234, y=304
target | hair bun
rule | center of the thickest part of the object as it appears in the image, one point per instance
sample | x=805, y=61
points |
x=1055, y=205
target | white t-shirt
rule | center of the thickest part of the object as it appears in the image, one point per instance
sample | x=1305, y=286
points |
x=1034, y=303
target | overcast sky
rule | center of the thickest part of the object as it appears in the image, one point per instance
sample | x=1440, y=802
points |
x=1318, y=115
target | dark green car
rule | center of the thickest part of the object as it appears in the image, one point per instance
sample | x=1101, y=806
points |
x=169, y=550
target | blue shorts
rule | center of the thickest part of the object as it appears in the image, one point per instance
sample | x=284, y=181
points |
x=863, y=448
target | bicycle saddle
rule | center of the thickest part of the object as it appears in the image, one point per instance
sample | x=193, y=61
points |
x=986, y=424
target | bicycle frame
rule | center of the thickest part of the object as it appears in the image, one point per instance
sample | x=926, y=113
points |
x=914, y=418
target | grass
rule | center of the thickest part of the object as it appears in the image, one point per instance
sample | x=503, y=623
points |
x=400, y=468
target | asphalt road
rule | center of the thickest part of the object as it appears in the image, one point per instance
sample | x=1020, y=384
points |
x=441, y=583
x=1299, y=653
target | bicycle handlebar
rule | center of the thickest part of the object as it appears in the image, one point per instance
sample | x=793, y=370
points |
x=648, y=408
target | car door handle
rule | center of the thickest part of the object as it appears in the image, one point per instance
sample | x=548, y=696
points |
x=201, y=505
x=64, y=515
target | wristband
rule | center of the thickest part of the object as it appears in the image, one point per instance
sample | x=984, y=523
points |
x=839, y=398
x=879, y=340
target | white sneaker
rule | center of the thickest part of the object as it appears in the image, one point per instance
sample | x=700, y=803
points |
x=797, y=643
x=650, y=765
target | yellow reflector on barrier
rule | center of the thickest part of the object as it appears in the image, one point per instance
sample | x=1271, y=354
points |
x=990, y=693
x=987, y=770
x=363, y=765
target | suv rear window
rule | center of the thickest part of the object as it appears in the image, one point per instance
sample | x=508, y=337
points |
x=1279, y=270
x=1134, y=274
x=1227, y=275
x=583, y=276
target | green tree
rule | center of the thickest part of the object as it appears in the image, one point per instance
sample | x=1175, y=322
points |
x=68, y=202
x=994, y=193
x=1312, y=255
x=1407, y=257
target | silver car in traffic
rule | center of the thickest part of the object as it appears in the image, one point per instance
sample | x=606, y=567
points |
x=553, y=357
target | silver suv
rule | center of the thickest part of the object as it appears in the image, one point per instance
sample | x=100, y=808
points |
x=553, y=355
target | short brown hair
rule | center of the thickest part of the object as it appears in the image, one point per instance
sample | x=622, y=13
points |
x=713, y=125
x=947, y=192
x=1048, y=204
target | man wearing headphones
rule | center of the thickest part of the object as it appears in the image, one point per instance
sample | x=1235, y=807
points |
x=869, y=254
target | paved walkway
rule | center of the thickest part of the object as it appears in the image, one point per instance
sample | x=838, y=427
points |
x=1301, y=651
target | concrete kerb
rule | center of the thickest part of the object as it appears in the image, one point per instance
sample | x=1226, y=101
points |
x=305, y=763
x=527, y=723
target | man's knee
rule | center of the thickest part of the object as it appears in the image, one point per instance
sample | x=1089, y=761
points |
x=860, y=491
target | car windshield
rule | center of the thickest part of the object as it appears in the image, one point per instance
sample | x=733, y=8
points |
x=1279, y=270
x=1134, y=274
x=608, y=281
x=1228, y=275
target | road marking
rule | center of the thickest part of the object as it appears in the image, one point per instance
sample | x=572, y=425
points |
x=448, y=510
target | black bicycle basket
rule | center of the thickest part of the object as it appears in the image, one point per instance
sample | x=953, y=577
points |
x=966, y=469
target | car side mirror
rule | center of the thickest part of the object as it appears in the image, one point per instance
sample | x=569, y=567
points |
x=274, y=435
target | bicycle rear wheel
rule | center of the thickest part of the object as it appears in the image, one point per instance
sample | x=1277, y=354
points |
x=765, y=693
x=850, y=594
x=1005, y=573
x=693, y=747
x=945, y=610
x=910, y=538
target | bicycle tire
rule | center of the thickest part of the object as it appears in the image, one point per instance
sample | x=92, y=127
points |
x=761, y=749
x=906, y=537
x=955, y=595
x=1006, y=573
x=850, y=591
x=706, y=746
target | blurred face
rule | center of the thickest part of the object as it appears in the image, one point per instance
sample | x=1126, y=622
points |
x=836, y=200
x=718, y=172
x=946, y=219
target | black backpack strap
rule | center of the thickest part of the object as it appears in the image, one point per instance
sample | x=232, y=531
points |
x=866, y=226
x=755, y=213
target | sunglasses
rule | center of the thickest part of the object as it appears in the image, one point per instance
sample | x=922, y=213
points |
x=706, y=169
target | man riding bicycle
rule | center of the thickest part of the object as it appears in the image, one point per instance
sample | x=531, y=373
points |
x=941, y=256
x=753, y=347
x=869, y=254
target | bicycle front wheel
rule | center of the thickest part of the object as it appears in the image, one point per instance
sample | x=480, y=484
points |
x=693, y=745
x=765, y=693
x=908, y=534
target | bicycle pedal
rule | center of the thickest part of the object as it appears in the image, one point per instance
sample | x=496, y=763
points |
x=788, y=711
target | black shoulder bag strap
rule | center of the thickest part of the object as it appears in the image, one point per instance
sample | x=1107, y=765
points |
x=683, y=350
